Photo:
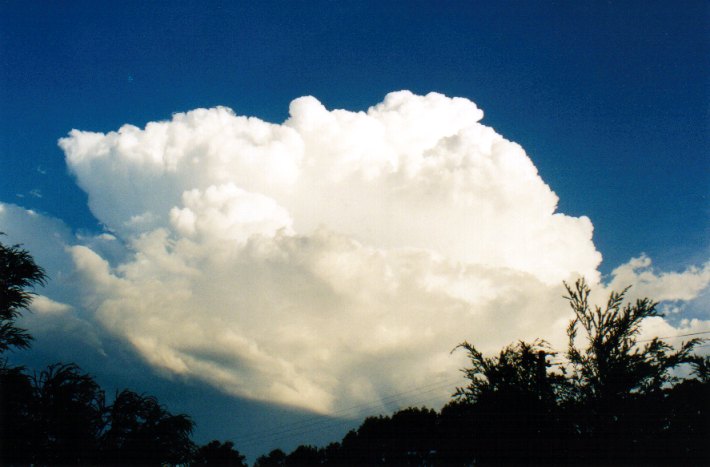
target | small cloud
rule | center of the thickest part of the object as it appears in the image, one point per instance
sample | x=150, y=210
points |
x=36, y=193
x=670, y=309
x=46, y=306
x=663, y=286
x=41, y=170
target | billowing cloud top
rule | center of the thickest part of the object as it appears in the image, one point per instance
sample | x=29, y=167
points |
x=414, y=171
x=334, y=258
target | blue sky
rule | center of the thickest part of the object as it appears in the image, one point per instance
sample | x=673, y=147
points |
x=608, y=99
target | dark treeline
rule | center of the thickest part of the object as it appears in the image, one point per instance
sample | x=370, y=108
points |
x=609, y=399
x=510, y=430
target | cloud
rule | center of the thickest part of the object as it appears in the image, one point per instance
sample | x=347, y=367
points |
x=46, y=238
x=47, y=306
x=665, y=286
x=413, y=171
x=56, y=318
x=330, y=260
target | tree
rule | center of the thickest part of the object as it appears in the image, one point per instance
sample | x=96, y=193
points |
x=304, y=455
x=276, y=458
x=17, y=430
x=509, y=409
x=619, y=385
x=520, y=370
x=67, y=414
x=143, y=432
x=220, y=454
x=408, y=437
x=18, y=273
x=614, y=400
x=613, y=366
x=687, y=417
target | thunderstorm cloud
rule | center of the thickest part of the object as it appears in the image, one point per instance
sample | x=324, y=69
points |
x=331, y=259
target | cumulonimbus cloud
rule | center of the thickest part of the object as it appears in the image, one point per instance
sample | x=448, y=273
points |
x=328, y=260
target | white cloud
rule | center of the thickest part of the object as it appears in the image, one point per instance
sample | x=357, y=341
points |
x=414, y=171
x=665, y=286
x=56, y=314
x=332, y=259
x=47, y=306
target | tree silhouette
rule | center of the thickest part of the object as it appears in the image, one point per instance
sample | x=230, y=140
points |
x=18, y=273
x=143, y=432
x=613, y=400
x=275, y=458
x=219, y=454
x=67, y=415
x=687, y=417
x=17, y=429
x=510, y=405
x=618, y=385
x=304, y=456
x=613, y=366
x=520, y=370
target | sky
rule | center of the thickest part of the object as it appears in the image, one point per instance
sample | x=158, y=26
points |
x=282, y=216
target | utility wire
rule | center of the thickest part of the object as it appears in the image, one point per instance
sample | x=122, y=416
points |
x=339, y=418
x=322, y=424
x=348, y=412
x=676, y=336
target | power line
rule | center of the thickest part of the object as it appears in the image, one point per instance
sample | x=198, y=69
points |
x=321, y=425
x=369, y=405
x=343, y=416
x=330, y=425
x=315, y=423
x=677, y=335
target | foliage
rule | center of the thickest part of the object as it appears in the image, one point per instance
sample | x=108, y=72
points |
x=60, y=417
x=276, y=458
x=614, y=365
x=613, y=399
x=509, y=407
x=143, y=431
x=18, y=274
x=624, y=390
x=405, y=438
x=304, y=456
x=17, y=432
x=68, y=415
x=520, y=370
x=220, y=454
